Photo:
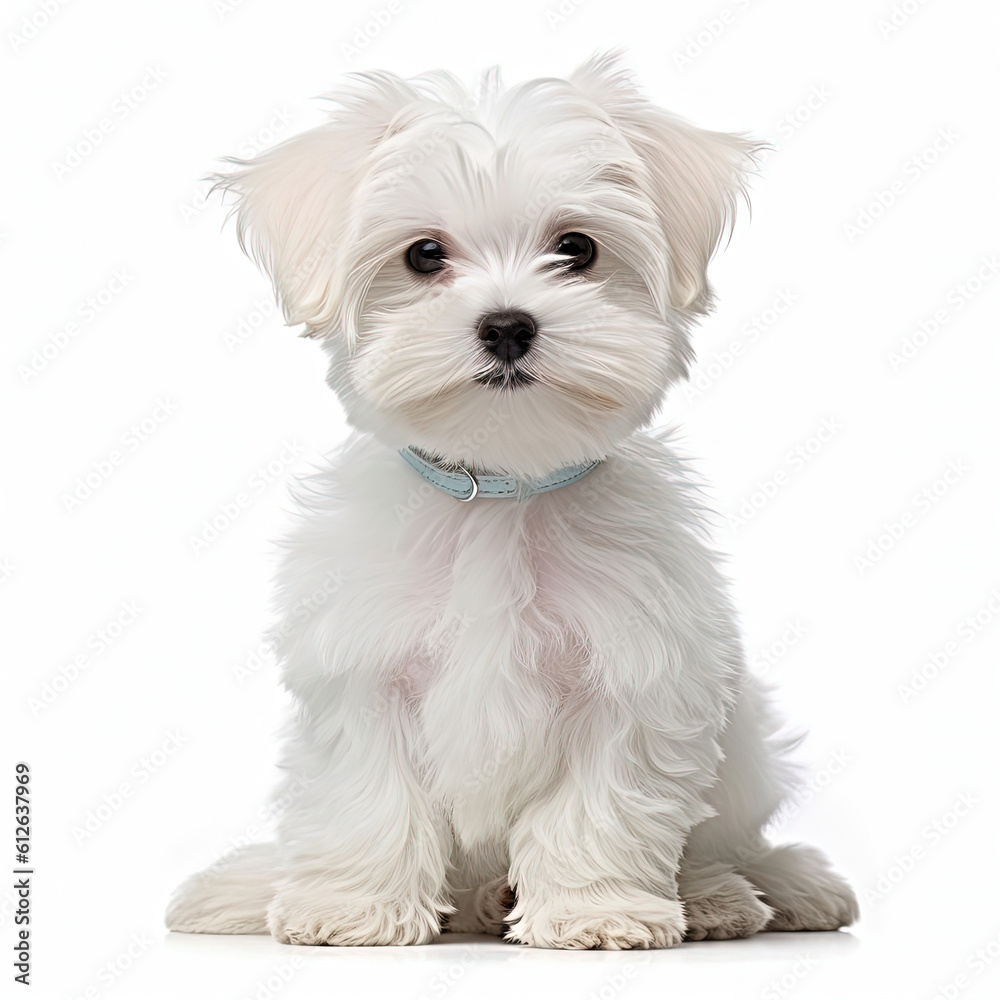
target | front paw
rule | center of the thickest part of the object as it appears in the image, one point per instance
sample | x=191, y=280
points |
x=582, y=920
x=316, y=913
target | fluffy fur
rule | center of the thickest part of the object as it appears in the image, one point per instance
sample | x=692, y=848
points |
x=531, y=718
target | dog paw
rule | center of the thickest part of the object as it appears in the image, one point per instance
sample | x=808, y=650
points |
x=641, y=921
x=828, y=907
x=804, y=892
x=318, y=918
x=721, y=907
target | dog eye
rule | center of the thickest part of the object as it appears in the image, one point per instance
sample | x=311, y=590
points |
x=426, y=256
x=577, y=248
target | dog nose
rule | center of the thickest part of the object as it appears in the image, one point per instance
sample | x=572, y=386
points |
x=508, y=335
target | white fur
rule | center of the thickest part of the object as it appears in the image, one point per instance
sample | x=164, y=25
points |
x=532, y=715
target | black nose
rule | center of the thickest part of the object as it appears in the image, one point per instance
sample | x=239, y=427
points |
x=508, y=335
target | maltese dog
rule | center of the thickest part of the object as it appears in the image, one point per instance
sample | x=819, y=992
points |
x=522, y=703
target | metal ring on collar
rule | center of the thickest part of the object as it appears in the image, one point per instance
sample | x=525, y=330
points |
x=475, y=486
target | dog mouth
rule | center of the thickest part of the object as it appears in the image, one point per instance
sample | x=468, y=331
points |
x=506, y=377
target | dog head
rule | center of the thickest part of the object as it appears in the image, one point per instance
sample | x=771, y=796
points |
x=505, y=280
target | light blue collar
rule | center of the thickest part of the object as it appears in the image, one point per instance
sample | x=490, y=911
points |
x=464, y=486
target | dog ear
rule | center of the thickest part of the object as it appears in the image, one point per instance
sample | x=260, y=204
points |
x=293, y=201
x=696, y=178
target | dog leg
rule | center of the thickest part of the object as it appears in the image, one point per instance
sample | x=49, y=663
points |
x=231, y=897
x=795, y=881
x=364, y=851
x=594, y=861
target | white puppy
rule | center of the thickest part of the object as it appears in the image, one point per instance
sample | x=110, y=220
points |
x=523, y=705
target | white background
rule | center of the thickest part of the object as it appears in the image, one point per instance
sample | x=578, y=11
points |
x=186, y=347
